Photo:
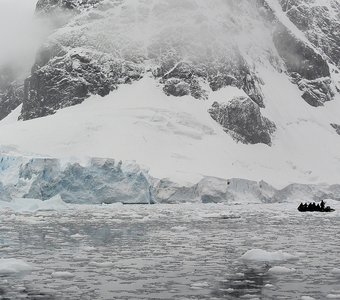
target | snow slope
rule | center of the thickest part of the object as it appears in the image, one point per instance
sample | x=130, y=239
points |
x=176, y=138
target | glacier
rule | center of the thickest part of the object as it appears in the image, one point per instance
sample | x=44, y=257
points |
x=106, y=181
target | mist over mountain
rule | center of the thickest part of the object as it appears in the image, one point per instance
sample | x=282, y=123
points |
x=186, y=88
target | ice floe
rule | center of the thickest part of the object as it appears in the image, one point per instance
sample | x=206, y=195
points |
x=281, y=270
x=265, y=256
x=14, y=266
x=63, y=274
x=32, y=205
x=333, y=296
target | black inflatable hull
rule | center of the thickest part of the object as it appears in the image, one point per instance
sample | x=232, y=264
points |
x=328, y=210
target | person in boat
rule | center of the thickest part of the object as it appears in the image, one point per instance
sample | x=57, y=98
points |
x=322, y=205
x=318, y=207
x=315, y=207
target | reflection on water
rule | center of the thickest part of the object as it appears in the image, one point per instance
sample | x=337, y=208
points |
x=8, y=292
x=250, y=282
x=168, y=252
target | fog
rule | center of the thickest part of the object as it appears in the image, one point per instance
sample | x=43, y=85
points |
x=20, y=33
x=193, y=29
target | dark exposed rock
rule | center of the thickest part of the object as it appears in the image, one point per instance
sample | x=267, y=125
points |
x=184, y=78
x=176, y=87
x=236, y=73
x=11, y=91
x=242, y=119
x=54, y=84
x=60, y=78
x=10, y=98
x=70, y=78
x=48, y=6
x=182, y=71
x=307, y=68
x=316, y=92
x=318, y=25
x=299, y=57
x=336, y=127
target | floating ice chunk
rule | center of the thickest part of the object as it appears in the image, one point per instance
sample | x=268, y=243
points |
x=62, y=275
x=307, y=298
x=32, y=205
x=179, y=228
x=14, y=266
x=77, y=236
x=89, y=248
x=249, y=296
x=336, y=271
x=106, y=264
x=54, y=203
x=199, y=285
x=333, y=296
x=265, y=256
x=80, y=258
x=280, y=270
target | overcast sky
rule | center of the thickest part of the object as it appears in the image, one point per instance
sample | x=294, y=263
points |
x=18, y=32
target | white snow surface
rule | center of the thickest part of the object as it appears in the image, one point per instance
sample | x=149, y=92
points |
x=13, y=266
x=176, y=138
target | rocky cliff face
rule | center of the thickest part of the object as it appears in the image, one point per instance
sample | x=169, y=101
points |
x=11, y=90
x=49, y=6
x=190, y=48
x=305, y=63
x=320, y=24
x=319, y=21
x=242, y=119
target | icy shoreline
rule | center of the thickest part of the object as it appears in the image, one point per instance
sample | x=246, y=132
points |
x=106, y=181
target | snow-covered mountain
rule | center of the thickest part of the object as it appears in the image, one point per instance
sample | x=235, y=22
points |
x=191, y=89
